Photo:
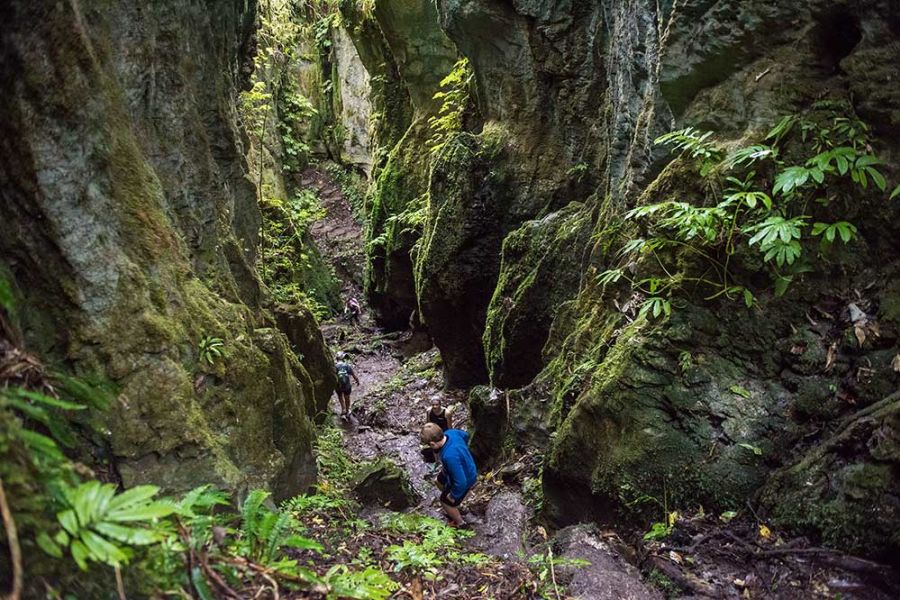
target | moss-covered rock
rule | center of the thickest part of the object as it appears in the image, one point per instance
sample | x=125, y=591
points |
x=385, y=485
x=307, y=342
x=541, y=266
x=845, y=490
x=460, y=253
x=397, y=201
x=130, y=225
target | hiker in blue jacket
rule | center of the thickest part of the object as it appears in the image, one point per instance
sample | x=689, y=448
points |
x=458, y=474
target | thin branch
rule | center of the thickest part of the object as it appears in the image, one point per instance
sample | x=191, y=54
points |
x=120, y=583
x=12, y=539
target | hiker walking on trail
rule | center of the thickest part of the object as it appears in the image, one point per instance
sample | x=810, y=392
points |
x=439, y=415
x=353, y=310
x=458, y=473
x=344, y=373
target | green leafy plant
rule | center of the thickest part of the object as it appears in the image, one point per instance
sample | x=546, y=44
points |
x=758, y=198
x=454, y=97
x=101, y=525
x=436, y=544
x=211, y=349
x=371, y=583
x=264, y=533
x=544, y=565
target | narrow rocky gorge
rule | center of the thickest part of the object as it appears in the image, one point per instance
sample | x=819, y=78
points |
x=648, y=250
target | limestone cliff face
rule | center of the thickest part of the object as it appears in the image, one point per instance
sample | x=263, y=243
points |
x=407, y=53
x=525, y=208
x=130, y=229
x=632, y=420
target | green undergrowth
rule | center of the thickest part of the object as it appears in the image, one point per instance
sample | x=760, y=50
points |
x=290, y=263
x=353, y=186
x=208, y=543
x=784, y=206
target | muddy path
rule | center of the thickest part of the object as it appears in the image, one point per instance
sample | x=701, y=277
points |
x=399, y=372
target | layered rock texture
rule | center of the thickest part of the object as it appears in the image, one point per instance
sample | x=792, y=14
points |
x=525, y=208
x=129, y=227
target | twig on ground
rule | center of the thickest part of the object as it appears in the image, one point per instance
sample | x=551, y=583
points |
x=553, y=572
x=12, y=540
x=120, y=583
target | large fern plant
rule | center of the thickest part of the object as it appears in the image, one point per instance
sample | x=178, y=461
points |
x=101, y=525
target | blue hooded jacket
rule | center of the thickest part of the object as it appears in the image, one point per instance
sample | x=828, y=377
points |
x=458, y=462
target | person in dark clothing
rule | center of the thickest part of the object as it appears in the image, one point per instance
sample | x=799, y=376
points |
x=458, y=473
x=439, y=415
x=344, y=373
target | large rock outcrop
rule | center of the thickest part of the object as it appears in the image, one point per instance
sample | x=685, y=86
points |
x=402, y=46
x=130, y=228
x=707, y=406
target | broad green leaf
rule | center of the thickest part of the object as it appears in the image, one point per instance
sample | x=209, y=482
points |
x=41, y=444
x=817, y=174
x=846, y=230
x=135, y=495
x=782, y=128
x=50, y=401
x=83, y=500
x=156, y=510
x=748, y=298
x=740, y=391
x=104, y=497
x=755, y=449
x=80, y=553
x=29, y=410
x=48, y=545
x=199, y=582
x=877, y=177
x=610, y=276
x=895, y=193
x=61, y=537
x=129, y=535
x=867, y=161
x=302, y=543
x=103, y=549
x=781, y=285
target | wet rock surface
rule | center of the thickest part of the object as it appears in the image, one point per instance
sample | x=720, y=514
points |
x=383, y=483
x=131, y=227
x=606, y=576
x=501, y=532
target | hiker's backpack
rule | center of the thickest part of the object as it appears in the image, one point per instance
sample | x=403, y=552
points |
x=343, y=373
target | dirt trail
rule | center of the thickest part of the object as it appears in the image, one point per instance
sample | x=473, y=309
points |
x=398, y=371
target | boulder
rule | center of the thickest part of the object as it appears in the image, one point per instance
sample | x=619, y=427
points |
x=504, y=525
x=384, y=484
x=606, y=576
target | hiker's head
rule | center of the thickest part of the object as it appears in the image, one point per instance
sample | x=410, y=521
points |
x=341, y=355
x=436, y=404
x=432, y=435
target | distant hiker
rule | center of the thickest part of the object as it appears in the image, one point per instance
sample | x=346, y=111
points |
x=439, y=415
x=458, y=473
x=353, y=310
x=344, y=373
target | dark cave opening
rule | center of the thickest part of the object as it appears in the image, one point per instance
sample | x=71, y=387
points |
x=836, y=35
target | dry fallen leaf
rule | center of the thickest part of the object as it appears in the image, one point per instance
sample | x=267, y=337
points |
x=895, y=364
x=830, y=356
x=860, y=332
